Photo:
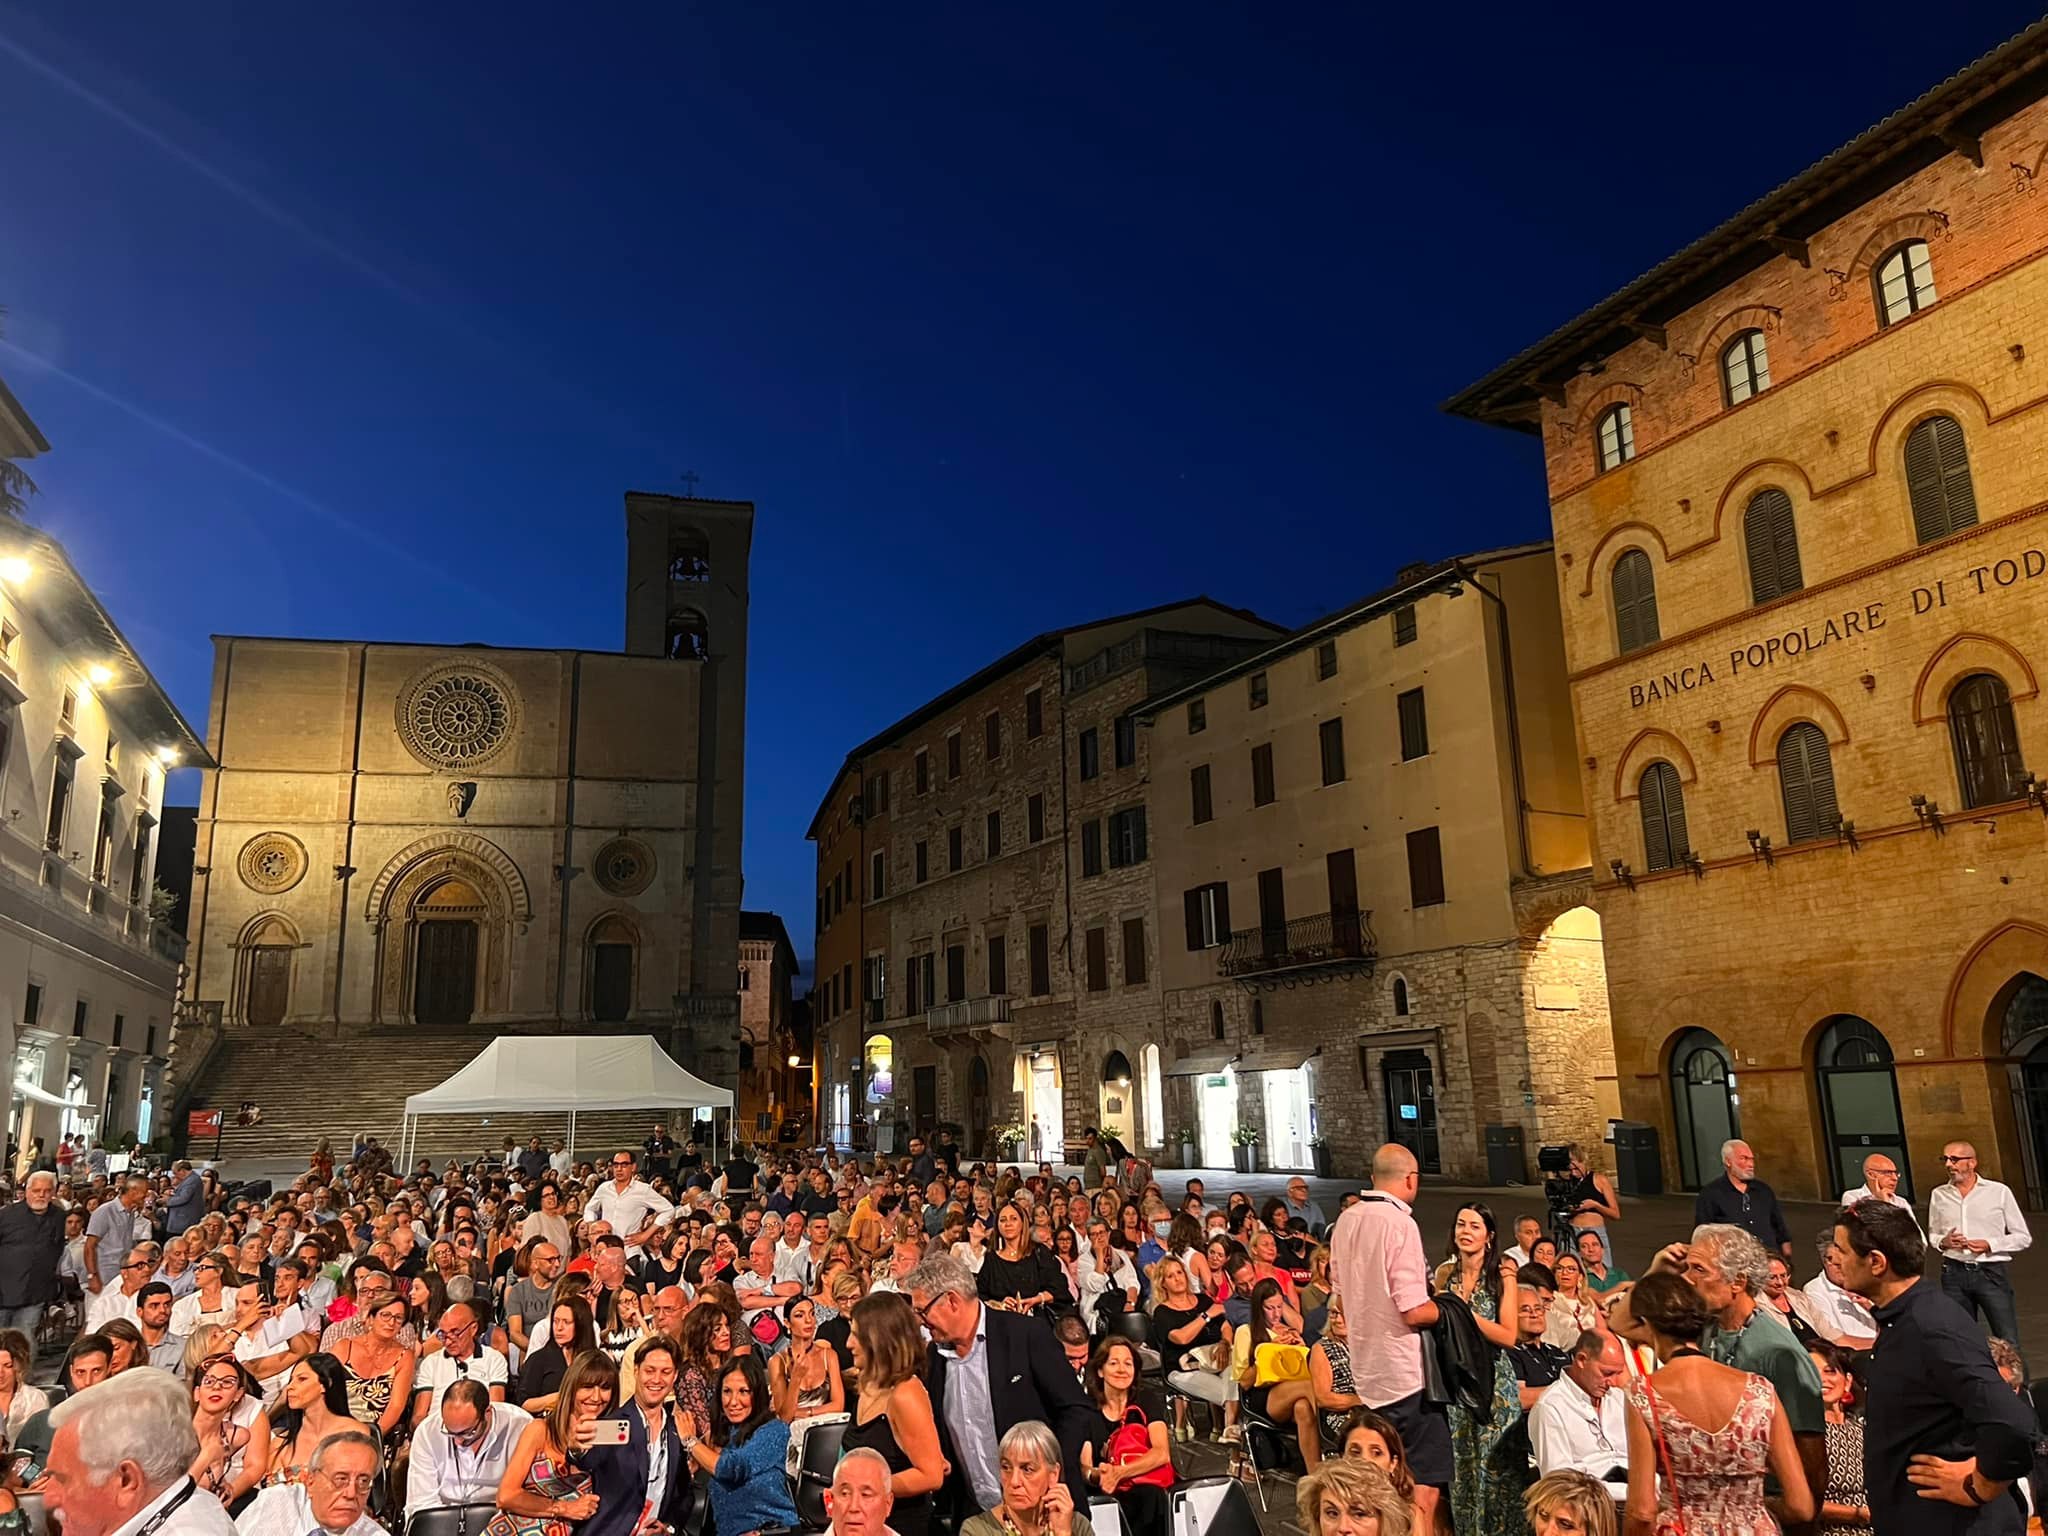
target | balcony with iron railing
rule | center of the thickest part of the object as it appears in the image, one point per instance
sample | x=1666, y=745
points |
x=970, y=1013
x=1302, y=943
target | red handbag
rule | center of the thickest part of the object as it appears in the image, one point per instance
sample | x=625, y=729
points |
x=1131, y=1441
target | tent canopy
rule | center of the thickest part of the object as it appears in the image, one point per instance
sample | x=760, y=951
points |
x=572, y=1073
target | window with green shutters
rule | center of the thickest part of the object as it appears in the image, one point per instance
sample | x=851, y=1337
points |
x=1806, y=780
x=1938, y=479
x=1663, y=805
x=1988, y=762
x=1773, y=545
x=1635, y=602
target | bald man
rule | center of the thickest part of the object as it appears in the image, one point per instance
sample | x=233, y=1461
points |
x=1378, y=1266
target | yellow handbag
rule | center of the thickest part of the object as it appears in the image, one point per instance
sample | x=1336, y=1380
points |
x=1279, y=1362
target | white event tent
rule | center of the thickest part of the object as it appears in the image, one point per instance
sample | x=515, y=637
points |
x=564, y=1074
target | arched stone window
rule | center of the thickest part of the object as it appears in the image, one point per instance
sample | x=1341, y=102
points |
x=1617, y=436
x=1988, y=763
x=1634, y=586
x=1745, y=367
x=1905, y=281
x=689, y=556
x=1662, y=798
x=1400, y=997
x=689, y=637
x=613, y=948
x=1806, y=780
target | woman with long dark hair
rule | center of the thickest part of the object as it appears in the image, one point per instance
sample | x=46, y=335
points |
x=543, y=1491
x=1486, y=1495
x=1108, y=1461
x=744, y=1453
x=314, y=1406
x=570, y=1333
x=1016, y=1274
x=893, y=1414
x=1281, y=1398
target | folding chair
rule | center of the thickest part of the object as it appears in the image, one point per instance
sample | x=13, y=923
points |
x=454, y=1520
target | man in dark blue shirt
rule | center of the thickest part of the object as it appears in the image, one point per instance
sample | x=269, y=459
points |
x=1740, y=1199
x=1944, y=1438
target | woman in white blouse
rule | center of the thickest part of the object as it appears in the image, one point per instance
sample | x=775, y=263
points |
x=1104, y=1268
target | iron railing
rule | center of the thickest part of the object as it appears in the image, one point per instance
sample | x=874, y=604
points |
x=969, y=1013
x=1327, y=938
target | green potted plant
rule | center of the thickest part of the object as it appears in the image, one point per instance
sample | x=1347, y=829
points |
x=1319, y=1149
x=1244, y=1149
x=1190, y=1146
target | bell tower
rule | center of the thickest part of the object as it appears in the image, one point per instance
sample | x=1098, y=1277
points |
x=686, y=604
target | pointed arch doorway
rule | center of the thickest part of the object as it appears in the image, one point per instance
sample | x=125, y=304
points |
x=446, y=955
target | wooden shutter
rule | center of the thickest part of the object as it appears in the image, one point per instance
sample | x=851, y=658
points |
x=1773, y=543
x=1097, y=951
x=1988, y=761
x=1425, y=867
x=1938, y=479
x=1191, y=909
x=1806, y=778
x=1663, y=805
x=1635, y=602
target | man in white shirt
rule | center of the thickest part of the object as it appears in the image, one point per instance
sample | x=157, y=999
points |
x=1976, y=1225
x=756, y=1286
x=1580, y=1423
x=118, y=1300
x=147, y=1416
x=272, y=1338
x=629, y=1206
x=1841, y=1316
x=558, y=1160
x=332, y=1501
x=460, y=1358
x=1527, y=1230
x=792, y=1253
x=863, y=1494
x=1880, y=1182
x=460, y=1451
x=902, y=1260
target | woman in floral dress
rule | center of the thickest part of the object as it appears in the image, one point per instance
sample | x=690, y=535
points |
x=1486, y=1494
x=1682, y=1476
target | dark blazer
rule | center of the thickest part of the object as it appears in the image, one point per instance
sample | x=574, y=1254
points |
x=618, y=1476
x=1028, y=1378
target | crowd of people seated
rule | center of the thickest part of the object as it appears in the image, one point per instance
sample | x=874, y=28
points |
x=636, y=1346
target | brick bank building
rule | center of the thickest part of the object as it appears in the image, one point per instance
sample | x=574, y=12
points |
x=1800, y=501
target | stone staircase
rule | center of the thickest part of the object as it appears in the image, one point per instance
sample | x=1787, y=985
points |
x=309, y=1088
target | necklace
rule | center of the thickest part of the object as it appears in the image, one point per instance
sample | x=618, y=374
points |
x=1683, y=1351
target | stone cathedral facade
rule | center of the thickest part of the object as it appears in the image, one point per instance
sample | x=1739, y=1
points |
x=473, y=840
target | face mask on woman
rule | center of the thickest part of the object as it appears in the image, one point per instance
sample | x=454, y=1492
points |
x=1161, y=1228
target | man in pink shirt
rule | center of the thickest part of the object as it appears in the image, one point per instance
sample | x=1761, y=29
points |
x=1377, y=1266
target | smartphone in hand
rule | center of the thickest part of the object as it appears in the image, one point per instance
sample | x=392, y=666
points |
x=609, y=1432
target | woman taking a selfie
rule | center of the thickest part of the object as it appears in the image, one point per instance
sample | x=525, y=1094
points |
x=544, y=1492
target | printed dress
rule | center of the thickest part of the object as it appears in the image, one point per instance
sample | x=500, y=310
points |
x=1492, y=1464
x=1713, y=1479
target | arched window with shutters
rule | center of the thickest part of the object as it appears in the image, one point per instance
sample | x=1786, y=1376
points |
x=1617, y=436
x=1988, y=763
x=1665, y=844
x=1773, y=544
x=1635, y=602
x=1745, y=368
x=1806, y=780
x=1905, y=281
x=1938, y=479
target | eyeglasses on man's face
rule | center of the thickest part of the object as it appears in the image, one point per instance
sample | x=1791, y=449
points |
x=349, y=1482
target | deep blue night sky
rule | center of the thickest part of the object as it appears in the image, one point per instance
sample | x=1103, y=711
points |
x=357, y=321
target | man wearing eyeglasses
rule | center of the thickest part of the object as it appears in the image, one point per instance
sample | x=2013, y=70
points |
x=118, y=1300
x=332, y=1501
x=1976, y=1225
x=628, y=1205
x=460, y=1358
x=460, y=1453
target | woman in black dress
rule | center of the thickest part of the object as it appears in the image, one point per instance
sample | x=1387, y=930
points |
x=893, y=1414
x=570, y=1333
x=1016, y=1274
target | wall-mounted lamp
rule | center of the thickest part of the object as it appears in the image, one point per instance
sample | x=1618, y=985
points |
x=1845, y=832
x=1928, y=812
x=1869, y=682
x=2037, y=791
x=1759, y=845
x=1621, y=872
x=1695, y=863
x=1714, y=726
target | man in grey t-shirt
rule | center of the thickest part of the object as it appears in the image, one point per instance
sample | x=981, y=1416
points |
x=117, y=1226
x=529, y=1302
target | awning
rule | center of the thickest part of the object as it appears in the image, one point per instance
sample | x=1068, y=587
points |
x=40, y=1095
x=1199, y=1063
x=1397, y=1037
x=1276, y=1058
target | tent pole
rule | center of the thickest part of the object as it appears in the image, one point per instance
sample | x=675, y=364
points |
x=572, y=1138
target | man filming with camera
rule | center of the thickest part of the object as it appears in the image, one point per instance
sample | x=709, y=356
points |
x=1578, y=1194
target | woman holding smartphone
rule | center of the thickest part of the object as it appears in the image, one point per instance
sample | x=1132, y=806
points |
x=544, y=1492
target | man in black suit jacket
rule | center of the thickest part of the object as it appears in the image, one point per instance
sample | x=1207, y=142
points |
x=619, y=1474
x=989, y=1370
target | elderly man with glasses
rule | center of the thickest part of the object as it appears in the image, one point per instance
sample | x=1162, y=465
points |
x=628, y=1205
x=1880, y=1182
x=460, y=1358
x=332, y=1501
x=119, y=1300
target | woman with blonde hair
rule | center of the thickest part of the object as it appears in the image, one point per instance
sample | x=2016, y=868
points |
x=1347, y=1496
x=1569, y=1504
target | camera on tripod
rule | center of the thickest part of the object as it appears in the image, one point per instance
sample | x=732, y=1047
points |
x=1560, y=1190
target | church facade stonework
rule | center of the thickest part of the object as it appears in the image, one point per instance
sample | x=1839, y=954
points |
x=471, y=840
